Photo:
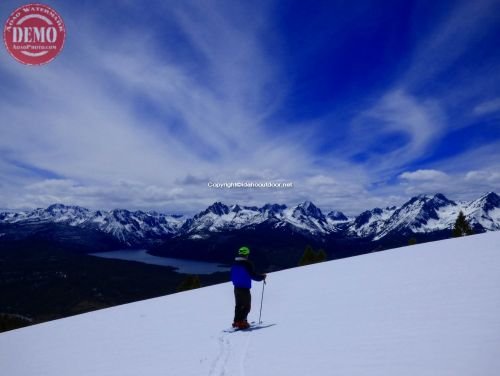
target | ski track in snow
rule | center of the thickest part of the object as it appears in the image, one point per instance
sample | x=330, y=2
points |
x=223, y=364
x=218, y=365
x=244, y=354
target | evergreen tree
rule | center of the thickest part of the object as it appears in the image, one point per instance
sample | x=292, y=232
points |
x=308, y=257
x=412, y=241
x=321, y=255
x=311, y=257
x=10, y=322
x=462, y=227
x=189, y=283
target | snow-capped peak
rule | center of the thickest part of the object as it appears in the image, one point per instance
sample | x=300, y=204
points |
x=307, y=208
x=305, y=217
x=217, y=208
x=272, y=210
x=423, y=213
x=484, y=212
x=487, y=202
x=336, y=215
x=371, y=222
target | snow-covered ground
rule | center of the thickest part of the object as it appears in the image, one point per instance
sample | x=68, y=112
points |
x=430, y=309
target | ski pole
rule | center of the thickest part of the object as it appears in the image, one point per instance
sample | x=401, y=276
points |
x=261, y=300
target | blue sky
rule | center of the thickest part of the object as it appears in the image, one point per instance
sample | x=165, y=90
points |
x=360, y=104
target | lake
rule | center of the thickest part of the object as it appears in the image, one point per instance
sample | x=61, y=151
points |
x=182, y=266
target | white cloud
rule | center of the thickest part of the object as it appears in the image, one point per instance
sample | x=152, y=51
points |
x=488, y=107
x=482, y=165
x=424, y=175
x=483, y=176
x=321, y=180
x=425, y=182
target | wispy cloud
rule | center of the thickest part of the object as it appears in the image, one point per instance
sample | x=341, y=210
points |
x=92, y=131
x=424, y=175
x=461, y=28
x=398, y=129
x=488, y=107
x=483, y=176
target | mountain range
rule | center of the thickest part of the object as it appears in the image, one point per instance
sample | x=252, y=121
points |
x=214, y=232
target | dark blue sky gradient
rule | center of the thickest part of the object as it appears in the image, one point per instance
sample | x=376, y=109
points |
x=337, y=55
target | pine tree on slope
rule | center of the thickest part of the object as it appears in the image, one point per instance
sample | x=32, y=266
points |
x=462, y=227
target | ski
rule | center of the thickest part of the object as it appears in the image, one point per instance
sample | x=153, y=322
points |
x=253, y=324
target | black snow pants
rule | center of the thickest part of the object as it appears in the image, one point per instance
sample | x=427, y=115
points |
x=243, y=303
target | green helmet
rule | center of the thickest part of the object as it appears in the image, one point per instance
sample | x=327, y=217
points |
x=244, y=251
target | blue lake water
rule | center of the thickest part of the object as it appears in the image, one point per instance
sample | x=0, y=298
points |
x=182, y=266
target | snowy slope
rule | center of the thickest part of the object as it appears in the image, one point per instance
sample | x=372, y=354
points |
x=429, y=309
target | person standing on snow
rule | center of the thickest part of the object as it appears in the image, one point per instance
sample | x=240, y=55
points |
x=242, y=274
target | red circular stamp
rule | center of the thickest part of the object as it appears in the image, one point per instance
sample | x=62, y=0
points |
x=34, y=34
